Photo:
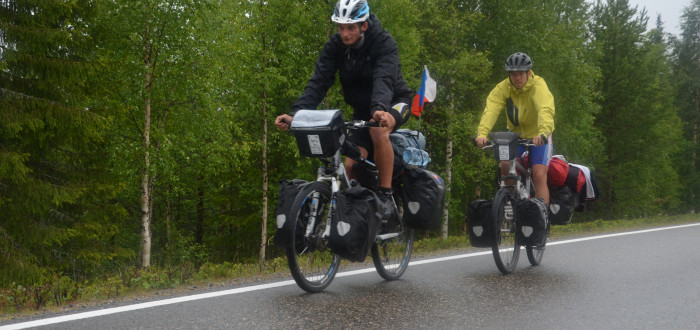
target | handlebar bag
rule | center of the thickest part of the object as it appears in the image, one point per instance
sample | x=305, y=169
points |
x=531, y=221
x=287, y=192
x=423, y=196
x=479, y=223
x=506, y=145
x=354, y=223
x=319, y=133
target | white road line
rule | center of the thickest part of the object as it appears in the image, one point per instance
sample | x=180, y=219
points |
x=108, y=311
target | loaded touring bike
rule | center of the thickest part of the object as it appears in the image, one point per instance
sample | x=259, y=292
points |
x=515, y=217
x=316, y=230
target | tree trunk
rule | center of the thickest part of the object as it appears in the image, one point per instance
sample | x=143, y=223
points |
x=263, y=232
x=145, y=179
x=168, y=224
x=694, y=154
x=448, y=174
x=199, y=224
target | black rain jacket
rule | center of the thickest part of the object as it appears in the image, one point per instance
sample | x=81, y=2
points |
x=370, y=75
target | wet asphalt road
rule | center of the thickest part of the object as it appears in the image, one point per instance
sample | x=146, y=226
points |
x=641, y=280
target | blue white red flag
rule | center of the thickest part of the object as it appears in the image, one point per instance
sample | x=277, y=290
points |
x=428, y=89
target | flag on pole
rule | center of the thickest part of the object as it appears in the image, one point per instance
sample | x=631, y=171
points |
x=428, y=89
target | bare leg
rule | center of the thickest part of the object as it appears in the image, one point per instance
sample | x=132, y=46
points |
x=539, y=176
x=349, y=162
x=383, y=155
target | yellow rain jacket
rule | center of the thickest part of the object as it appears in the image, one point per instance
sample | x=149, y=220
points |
x=530, y=111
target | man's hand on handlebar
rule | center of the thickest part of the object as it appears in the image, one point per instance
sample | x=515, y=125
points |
x=282, y=122
x=539, y=140
x=480, y=141
x=384, y=118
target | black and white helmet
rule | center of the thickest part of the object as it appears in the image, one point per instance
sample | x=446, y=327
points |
x=350, y=11
x=518, y=62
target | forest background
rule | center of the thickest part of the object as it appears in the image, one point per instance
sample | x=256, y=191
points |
x=138, y=133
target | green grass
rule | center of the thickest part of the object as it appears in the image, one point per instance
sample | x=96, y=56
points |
x=60, y=293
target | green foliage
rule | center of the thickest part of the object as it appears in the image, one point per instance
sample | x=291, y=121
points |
x=637, y=115
x=54, y=187
x=686, y=68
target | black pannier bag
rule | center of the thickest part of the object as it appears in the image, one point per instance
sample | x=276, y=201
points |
x=561, y=205
x=423, y=196
x=531, y=221
x=285, y=221
x=319, y=133
x=355, y=222
x=479, y=223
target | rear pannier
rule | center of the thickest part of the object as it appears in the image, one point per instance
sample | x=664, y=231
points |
x=319, y=133
x=561, y=205
x=423, y=196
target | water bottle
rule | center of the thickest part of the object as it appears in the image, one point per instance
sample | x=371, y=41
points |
x=416, y=157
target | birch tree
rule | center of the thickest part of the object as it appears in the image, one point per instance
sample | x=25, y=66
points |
x=149, y=43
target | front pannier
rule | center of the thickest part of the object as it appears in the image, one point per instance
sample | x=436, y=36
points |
x=287, y=192
x=423, y=196
x=479, y=223
x=319, y=133
x=531, y=222
x=355, y=222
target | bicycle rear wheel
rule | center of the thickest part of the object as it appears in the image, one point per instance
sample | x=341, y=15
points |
x=392, y=249
x=506, y=251
x=312, y=264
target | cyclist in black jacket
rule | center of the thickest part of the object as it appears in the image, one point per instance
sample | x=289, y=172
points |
x=367, y=59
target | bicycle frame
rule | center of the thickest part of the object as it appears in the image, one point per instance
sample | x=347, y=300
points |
x=522, y=188
x=333, y=171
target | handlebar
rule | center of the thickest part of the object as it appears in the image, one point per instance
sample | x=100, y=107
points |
x=521, y=141
x=355, y=124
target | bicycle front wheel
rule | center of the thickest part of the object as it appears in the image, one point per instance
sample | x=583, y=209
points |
x=506, y=251
x=312, y=264
x=393, y=247
x=535, y=253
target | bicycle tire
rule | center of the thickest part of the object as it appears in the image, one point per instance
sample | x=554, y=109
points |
x=392, y=255
x=535, y=253
x=312, y=264
x=505, y=248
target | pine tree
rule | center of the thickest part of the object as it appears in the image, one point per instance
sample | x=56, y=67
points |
x=637, y=121
x=686, y=73
x=54, y=193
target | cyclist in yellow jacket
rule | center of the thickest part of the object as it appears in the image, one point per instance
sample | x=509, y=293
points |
x=529, y=109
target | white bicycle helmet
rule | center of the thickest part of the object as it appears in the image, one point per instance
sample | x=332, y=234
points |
x=350, y=11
